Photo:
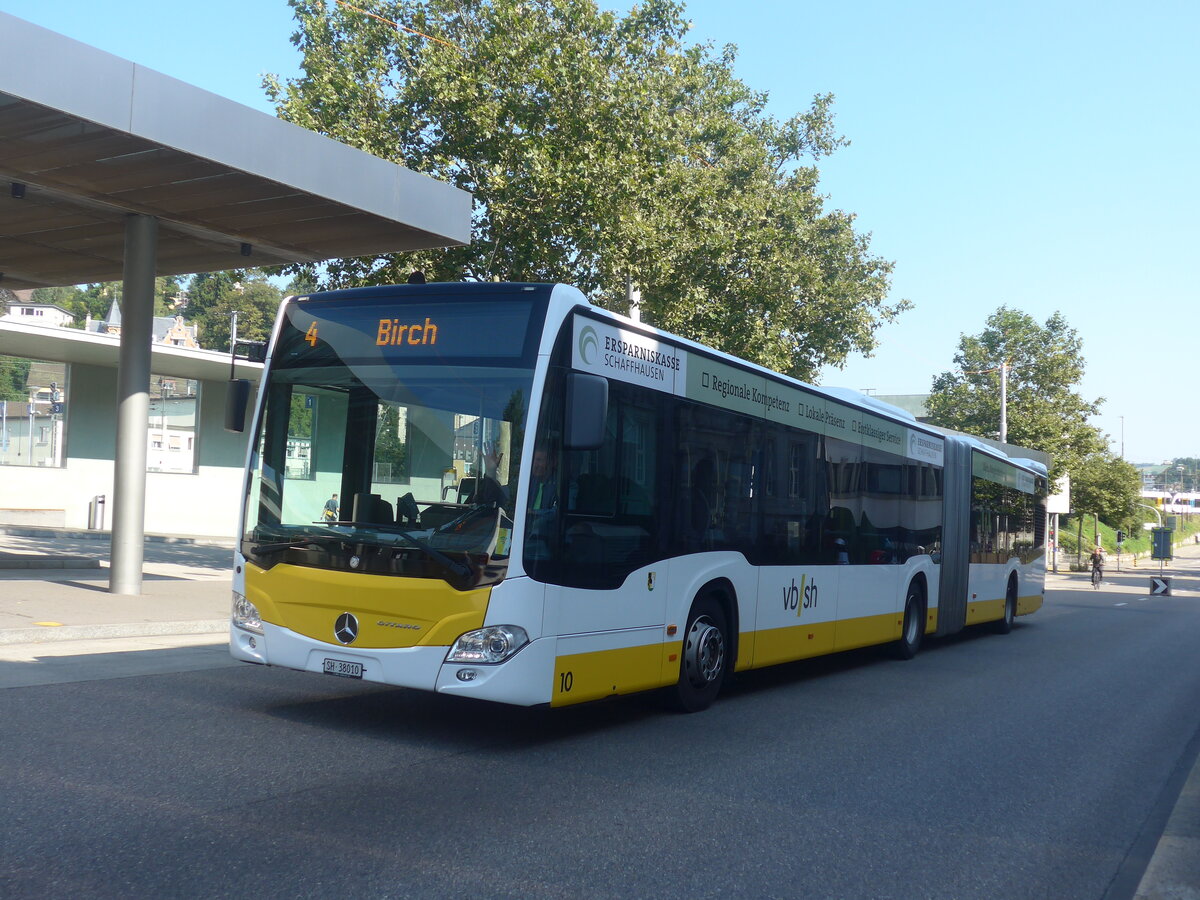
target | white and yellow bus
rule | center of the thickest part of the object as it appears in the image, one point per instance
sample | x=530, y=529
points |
x=503, y=492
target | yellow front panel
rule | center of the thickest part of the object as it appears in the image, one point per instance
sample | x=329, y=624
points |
x=590, y=676
x=985, y=611
x=392, y=612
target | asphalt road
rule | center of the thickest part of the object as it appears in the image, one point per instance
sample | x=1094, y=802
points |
x=1038, y=764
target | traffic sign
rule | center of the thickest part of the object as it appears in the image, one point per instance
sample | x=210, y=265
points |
x=1161, y=543
x=1160, y=586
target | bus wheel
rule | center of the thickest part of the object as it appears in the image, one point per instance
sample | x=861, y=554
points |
x=705, y=656
x=1005, y=625
x=914, y=624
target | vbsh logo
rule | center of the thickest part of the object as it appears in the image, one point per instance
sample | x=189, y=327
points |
x=802, y=597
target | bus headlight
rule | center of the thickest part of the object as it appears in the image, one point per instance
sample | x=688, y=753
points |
x=245, y=614
x=493, y=644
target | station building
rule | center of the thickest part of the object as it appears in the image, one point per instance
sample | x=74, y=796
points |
x=58, y=445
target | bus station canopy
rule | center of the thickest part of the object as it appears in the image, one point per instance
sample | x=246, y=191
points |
x=110, y=170
x=87, y=138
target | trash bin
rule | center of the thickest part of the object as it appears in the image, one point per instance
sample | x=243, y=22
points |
x=96, y=513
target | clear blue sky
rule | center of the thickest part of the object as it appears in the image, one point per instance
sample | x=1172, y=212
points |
x=1036, y=154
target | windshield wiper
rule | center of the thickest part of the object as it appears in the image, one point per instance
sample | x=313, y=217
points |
x=463, y=517
x=452, y=564
x=298, y=542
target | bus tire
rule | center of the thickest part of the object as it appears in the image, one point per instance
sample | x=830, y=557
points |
x=1005, y=624
x=914, y=621
x=704, y=658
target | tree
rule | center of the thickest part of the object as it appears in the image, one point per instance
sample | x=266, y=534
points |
x=14, y=378
x=1044, y=412
x=213, y=297
x=1106, y=486
x=599, y=147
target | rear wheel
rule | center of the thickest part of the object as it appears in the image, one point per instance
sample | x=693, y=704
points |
x=1005, y=625
x=705, y=657
x=914, y=624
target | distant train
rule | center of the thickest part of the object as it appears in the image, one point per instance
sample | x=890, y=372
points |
x=1173, y=502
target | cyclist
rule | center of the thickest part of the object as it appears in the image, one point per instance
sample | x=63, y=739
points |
x=1097, y=566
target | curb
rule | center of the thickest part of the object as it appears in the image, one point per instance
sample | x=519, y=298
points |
x=1173, y=872
x=97, y=535
x=37, y=561
x=50, y=634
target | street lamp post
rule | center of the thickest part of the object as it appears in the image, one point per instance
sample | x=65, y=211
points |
x=1004, y=402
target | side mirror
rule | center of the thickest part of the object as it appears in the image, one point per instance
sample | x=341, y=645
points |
x=237, y=398
x=587, y=411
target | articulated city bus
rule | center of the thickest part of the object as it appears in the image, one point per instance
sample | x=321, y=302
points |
x=501, y=491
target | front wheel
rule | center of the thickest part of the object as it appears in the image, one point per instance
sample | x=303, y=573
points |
x=1097, y=576
x=705, y=657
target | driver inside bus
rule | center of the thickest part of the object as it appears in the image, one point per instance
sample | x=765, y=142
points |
x=488, y=488
x=543, y=486
x=543, y=502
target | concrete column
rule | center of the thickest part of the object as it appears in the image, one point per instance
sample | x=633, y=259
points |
x=133, y=405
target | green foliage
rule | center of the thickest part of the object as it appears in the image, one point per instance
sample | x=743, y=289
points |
x=300, y=417
x=599, y=146
x=1106, y=486
x=1137, y=540
x=1044, y=412
x=389, y=448
x=14, y=378
x=214, y=296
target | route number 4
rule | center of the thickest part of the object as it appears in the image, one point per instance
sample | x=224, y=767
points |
x=311, y=334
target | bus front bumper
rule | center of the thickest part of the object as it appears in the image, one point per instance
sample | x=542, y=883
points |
x=525, y=679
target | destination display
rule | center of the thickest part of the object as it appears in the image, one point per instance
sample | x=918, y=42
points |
x=378, y=331
x=618, y=353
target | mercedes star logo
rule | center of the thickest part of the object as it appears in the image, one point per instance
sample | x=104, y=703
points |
x=345, y=629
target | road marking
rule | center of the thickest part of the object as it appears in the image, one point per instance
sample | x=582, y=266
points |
x=1122, y=604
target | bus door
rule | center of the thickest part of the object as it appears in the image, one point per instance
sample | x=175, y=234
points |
x=607, y=601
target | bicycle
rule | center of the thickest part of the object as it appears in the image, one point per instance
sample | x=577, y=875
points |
x=1097, y=576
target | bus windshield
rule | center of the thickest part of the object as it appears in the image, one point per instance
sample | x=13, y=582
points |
x=391, y=461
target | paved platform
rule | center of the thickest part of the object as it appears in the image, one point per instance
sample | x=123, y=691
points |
x=54, y=587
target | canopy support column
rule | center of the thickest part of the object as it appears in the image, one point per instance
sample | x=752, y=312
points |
x=133, y=405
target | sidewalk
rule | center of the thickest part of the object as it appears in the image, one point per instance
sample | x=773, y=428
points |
x=54, y=587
